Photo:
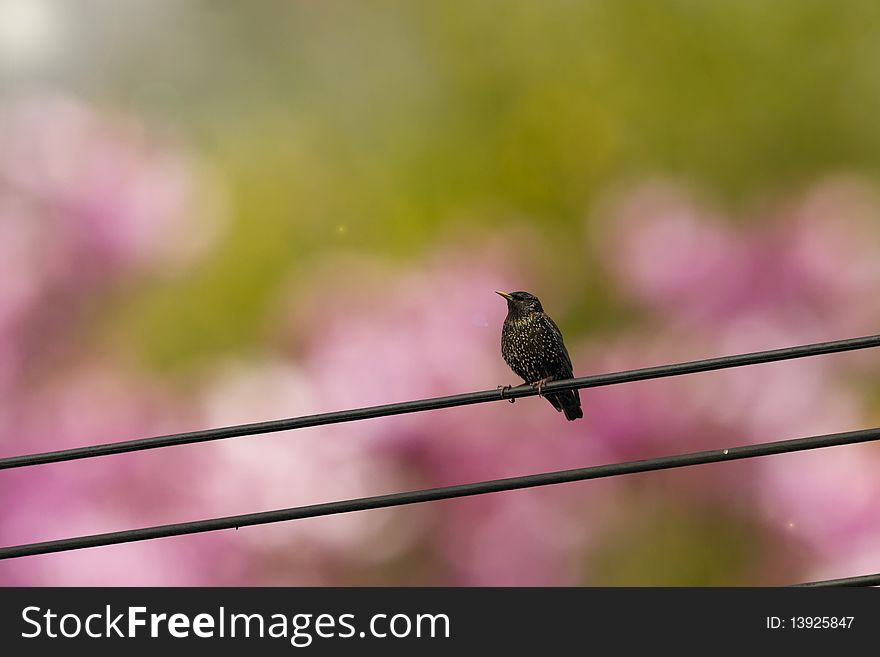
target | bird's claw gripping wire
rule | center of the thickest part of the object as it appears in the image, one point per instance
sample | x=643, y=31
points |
x=540, y=385
x=504, y=389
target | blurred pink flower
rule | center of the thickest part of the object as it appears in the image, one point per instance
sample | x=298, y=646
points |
x=105, y=187
x=665, y=252
x=86, y=202
x=805, y=274
x=798, y=269
x=826, y=499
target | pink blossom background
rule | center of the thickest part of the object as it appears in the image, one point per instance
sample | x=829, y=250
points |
x=95, y=207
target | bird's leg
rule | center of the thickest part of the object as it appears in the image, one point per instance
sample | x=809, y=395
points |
x=504, y=389
x=539, y=384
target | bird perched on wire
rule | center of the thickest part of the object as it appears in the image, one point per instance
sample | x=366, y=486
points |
x=532, y=345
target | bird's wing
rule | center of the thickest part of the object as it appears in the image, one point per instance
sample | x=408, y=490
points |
x=555, y=329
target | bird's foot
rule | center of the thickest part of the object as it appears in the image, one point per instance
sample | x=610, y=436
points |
x=540, y=385
x=504, y=389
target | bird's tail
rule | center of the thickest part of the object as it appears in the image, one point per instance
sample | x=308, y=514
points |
x=569, y=402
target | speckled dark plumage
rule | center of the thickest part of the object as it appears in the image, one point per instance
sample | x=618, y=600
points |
x=532, y=345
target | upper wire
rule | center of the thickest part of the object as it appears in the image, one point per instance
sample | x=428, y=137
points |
x=504, y=393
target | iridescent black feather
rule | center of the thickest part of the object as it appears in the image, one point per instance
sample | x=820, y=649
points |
x=532, y=345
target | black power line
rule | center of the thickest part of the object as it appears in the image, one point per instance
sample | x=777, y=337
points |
x=861, y=580
x=336, y=417
x=444, y=493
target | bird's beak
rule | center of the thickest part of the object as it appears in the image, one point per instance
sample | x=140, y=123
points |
x=505, y=295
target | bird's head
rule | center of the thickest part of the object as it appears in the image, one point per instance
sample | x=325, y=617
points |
x=522, y=303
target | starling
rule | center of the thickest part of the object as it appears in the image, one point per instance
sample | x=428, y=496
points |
x=532, y=345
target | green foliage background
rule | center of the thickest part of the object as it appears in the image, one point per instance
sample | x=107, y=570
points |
x=384, y=126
